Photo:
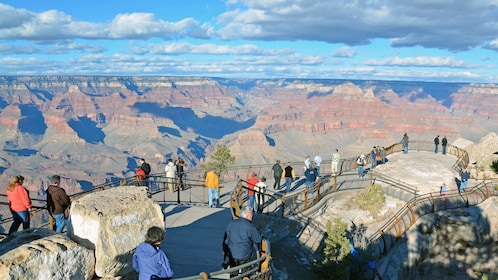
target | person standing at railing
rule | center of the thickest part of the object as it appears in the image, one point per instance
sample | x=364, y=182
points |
x=336, y=158
x=289, y=176
x=373, y=155
x=170, y=171
x=57, y=203
x=251, y=184
x=404, y=143
x=318, y=161
x=444, y=143
x=310, y=175
x=260, y=190
x=360, y=164
x=180, y=163
x=146, y=168
x=436, y=144
x=277, y=174
x=213, y=187
x=19, y=203
x=240, y=238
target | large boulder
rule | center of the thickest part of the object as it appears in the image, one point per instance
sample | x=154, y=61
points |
x=40, y=253
x=112, y=223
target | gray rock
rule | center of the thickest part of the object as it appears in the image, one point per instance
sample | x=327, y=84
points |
x=40, y=253
x=112, y=223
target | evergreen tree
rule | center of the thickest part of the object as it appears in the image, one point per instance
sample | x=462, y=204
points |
x=336, y=254
x=220, y=159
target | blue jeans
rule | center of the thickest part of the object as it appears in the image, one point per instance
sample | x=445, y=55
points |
x=444, y=150
x=436, y=148
x=213, y=194
x=60, y=221
x=464, y=185
x=252, y=202
x=19, y=218
x=361, y=170
x=288, y=182
x=405, y=149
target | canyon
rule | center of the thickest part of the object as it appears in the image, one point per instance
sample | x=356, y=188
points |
x=93, y=129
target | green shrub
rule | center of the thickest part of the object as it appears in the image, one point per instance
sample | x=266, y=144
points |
x=494, y=165
x=372, y=199
x=336, y=254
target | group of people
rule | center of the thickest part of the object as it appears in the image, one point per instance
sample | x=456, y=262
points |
x=444, y=144
x=174, y=171
x=20, y=204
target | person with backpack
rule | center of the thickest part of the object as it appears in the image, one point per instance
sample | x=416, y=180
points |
x=360, y=163
x=146, y=168
x=277, y=174
x=57, y=203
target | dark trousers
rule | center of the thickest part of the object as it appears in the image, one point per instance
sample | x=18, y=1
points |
x=237, y=262
x=276, y=185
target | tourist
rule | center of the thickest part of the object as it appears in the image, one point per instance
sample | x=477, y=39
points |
x=149, y=260
x=251, y=183
x=360, y=163
x=373, y=155
x=140, y=177
x=464, y=184
x=289, y=176
x=436, y=144
x=260, y=190
x=19, y=203
x=404, y=143
x=336, y=158
x=240, y=238
x=307, y=162
x=277, y=174
x=146, y=168
x=310, y=175
x=318, y=161
x=213, y=187
x=57, y=203
x=444, y=143
x=170, y=171
x=442, y=190
x=180, y=172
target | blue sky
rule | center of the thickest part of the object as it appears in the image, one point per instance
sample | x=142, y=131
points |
x=423, y=40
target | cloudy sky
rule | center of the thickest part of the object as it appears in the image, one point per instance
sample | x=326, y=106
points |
x=421, y=40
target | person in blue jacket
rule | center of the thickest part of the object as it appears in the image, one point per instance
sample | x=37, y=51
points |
x=149, y=260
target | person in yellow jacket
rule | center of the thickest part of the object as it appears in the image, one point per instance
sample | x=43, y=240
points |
x=213, y=187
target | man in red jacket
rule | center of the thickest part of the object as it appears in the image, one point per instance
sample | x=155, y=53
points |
x=57, y=203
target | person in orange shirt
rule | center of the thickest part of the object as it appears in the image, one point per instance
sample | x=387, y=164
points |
x=213, y=187
x=19, y=203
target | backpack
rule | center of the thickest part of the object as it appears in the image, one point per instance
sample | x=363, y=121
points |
x=146, y=168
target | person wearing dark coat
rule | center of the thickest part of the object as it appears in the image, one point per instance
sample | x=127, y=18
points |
x=57, y=203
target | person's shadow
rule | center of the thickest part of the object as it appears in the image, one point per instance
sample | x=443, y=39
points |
x=458, y=183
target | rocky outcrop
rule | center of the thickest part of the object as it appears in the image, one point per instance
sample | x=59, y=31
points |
x=112, y=223
x=481, y=155
x=457, y=243
x=40, y=253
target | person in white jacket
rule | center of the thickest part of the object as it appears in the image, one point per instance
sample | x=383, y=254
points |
x=170, y=170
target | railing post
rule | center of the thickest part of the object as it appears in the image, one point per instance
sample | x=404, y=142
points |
x=203, y=276
x=306, y=198
x=335, y=183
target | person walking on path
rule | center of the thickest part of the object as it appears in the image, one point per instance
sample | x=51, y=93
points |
x=277, y=174
x=310, y=175
x=442, y=191
x=336, y=158
x=289, y=176
x=260, y=190
x=444, y=143
x=57, y=203
x=239, y=240
x=251, y=183
x=404, y=143
x=149, y=260
x=318, y=161
x=360, y=163
x=19, y=203
x=436, y=144
x=213, y=187
x=464, y=184
x=170, y=170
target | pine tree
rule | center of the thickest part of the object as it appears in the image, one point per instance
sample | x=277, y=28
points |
x=220, y=159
